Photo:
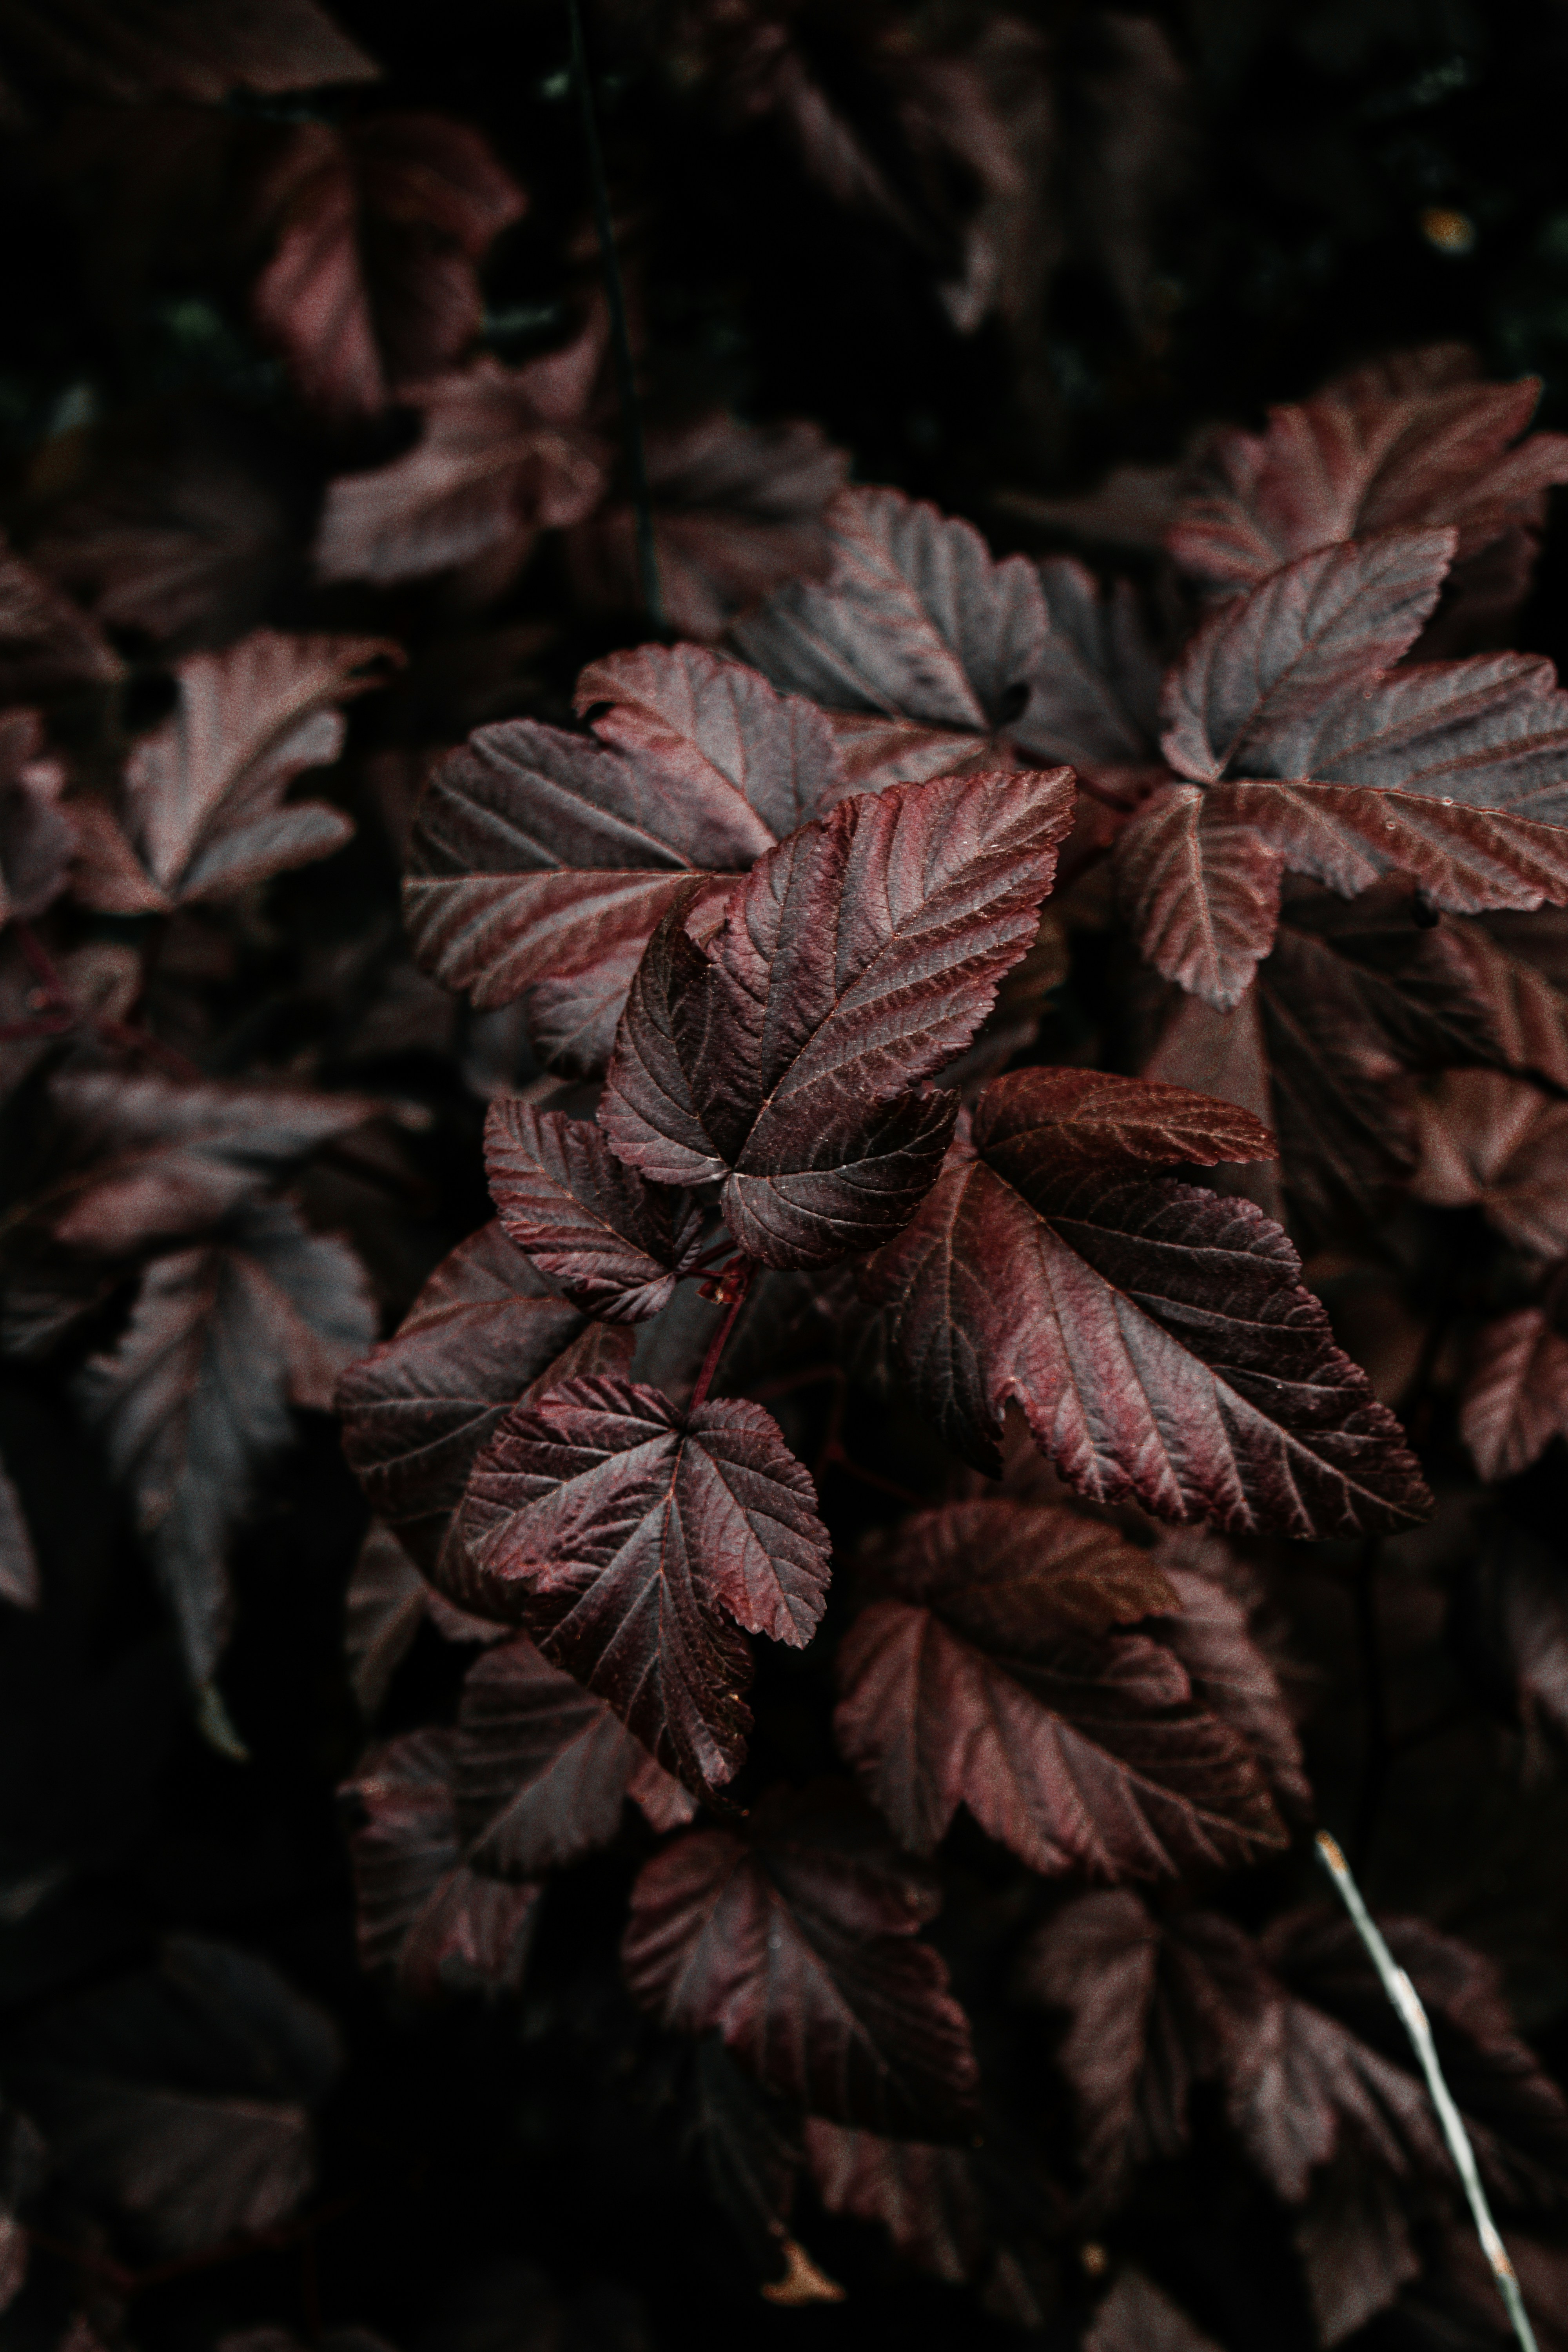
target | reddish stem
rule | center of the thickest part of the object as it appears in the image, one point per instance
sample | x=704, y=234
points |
x=736, y=1279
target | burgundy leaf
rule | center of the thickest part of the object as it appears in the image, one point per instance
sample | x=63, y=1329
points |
x=145, y=1157
x=46, y=641
x=1248, y=693
x=924, y=2195
x=377, y=225
x=1353, y=2245
x=717, y=727
x=1526, y=1603
x=1229, y=1671
x=543, y=1768
x=973, y=1683
x=503, y=455
x=37, y=836
x=422, y=1912
x=386, y=1602
x=1094, y=1297
x=1515, y=1399
x=200, y=811
x=195, y=1395
x=485, y=1331
x=1501, y=1145
x=914, y=620
x=737, y=511
x=198, y=50
x=857, y=959
x=611, y=1242
x=1139, y=2317
x=19, y=1567
x=179, y=2097
x=1094, y=693
x=797, y=1944
x=191, y=544
x=630, y=1539
x=1400, y=445
x=1199, y=891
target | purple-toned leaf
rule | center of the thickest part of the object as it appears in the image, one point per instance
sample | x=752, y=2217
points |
x=1230, y=1673
x=37, y=836
x=194, y=1394
x=200, y=811
x=1499, y=1144
x=924, y=2195
x=377, y=226
x=1157, y=1337
x=990, y=1677
x=543, y=1768
x=145, y=1157
x=18, y=1566
x=798, y=1944
x=1199, y=891
x=1353, y=2245
x=1246, y=694
x=613, y=1244
x=856, y=959
x=424, y=1914
x=47, y=642
x=1515, y=1397
x=1094, y=693
x=484, y=1331
x=178, y=2099
x=630, y=1540
x=915, y=619
x=1139, y=2317
x=202, y=50
x=717, y=728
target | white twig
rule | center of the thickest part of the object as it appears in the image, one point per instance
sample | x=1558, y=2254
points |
x=1407, y=2001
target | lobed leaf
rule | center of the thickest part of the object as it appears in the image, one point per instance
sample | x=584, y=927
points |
x=611, y=1242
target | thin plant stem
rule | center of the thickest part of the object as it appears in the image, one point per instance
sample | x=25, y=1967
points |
x=620, y=335
x=1406, y=2001
x=740, y=1276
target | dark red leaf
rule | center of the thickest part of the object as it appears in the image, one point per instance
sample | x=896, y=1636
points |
x=194, y=1394
x=609, y=1242
x=543, y=1768
x=484, y=1332
x=990, y=1677
x=799, y=1945
x=924, y=2195
x=630, y=1539
x=854, y=960
x=198, y=50
x=1515, y=1398
x=1353, y=2244
x=1230, y=1672
x=1200, y=894
x=1501, y=1145
x=19, y=1567
x=144, y=1157
x=422, y=1912
x=200, y=811
x=37, y=836
x=1093, y=1298
x=46, y=641
x=1094, y=693
x=1139, y=2317
x=378, y=224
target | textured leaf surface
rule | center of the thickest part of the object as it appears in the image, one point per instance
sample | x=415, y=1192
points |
x=544, y=1768
x=631, y=1540
x=200, y=811
x=856, y=959
x=179, y=2097
x=195, y=1395
x=799, y=1945
x=611, y=1242
x=423, y=1912
x=1157, y=1337
x=989, y=1676
x=483, y=1332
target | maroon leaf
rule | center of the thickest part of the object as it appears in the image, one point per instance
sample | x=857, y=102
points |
x=1247, y=695
x=914, y=620
x=1515, y=1399
x=1091, y=1295
x=37, y=836
x=1229, y=1671
x=1400, y=445
x=1139, y=2317
x=195, y=1395
x=1525, y=1601
x=1501, y=1145
x=1353, y=2245
x=179, y=2098
x=629, y=1539
x=502, y=455
x=924, y=2195
x=46, y=641
x=484, y=1332
x=422, y=1912
x=797, y=1944
x=990, y=1677
x=19, y=1567
x=198, y=50
x=1094, y=692
x=147, y=1158
x=543, y=1768
x=386, y=1602
x=737, y=511
x=612, y=1244
x=1201, y=894
x=717, y=728
x=856, y=959
x=378, y=226
x=200, y=811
